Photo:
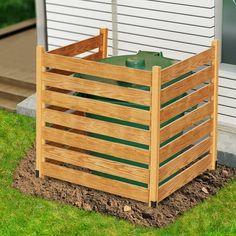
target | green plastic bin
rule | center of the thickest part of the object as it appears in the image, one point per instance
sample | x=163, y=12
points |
x=145, y=61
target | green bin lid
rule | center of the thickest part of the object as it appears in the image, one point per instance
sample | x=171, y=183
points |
x=143, y=60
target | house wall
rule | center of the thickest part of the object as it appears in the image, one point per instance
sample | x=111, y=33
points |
x=178, y=28
x=41, y=22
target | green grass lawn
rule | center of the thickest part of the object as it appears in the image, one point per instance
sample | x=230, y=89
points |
x=26, y=215
x=14, y=11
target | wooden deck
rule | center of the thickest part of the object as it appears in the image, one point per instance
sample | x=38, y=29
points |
x=17, y=68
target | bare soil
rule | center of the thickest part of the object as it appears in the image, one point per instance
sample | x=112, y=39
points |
x=138, y=213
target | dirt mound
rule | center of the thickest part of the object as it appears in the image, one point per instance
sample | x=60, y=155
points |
x=138, y=213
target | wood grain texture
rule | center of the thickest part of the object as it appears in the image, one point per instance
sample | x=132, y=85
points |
x=215, y=81
x=187, y=84
x=104, y=44
x=97, y=88
x=155, y=134
x=187, y=65
x=184, y=177
x=185, y=159
x=40, y=105
x=97, y=107
x=96, y=145
x=187, y=102
x=79, y=47
x=97, y=126
x=93, y=57
x=98, y=69
x=74, y=146
x=185, y=140
x=186, y=121
x=95, y=163
x=97, y=182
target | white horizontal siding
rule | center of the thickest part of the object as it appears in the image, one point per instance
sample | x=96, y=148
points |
x=188, y=18
x=80, y=12
x=71, y=21
x=76, y=20
x=227, y=95
x=184, y=9
x=227, y=83
x=177, y=28
x=166, y=34
x=199, y=3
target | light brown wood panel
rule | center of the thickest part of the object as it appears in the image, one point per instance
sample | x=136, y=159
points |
x=96, y=182
x=187, y=65
x=215, y=81
x=155, y=134
x=97, y=126
x=96, y=163
x=97, y=88
x=93, y=57
x=40, y=105
x=113, y=72
x=79, y=47
x=104, y=44
x=186, y=121
x=96, y=145
x=185, y=140
x=187, y=102
x=185, y=159
x=186, y=84
x=97, y=107
x=184, y=177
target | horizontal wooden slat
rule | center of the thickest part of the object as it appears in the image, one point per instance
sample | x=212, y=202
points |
x=96, y=126
x=186, y=84
x=103, y=70
x=96, y=182
x=184, y=177
x=97, y=88
x=185, y=140
x=79, y=47
x=96, y=163
x=187, y=65
x=187, y=102
x=185, y=158
x=186, y=121
x=97, y=107
x=96, y=145
x=94, y=57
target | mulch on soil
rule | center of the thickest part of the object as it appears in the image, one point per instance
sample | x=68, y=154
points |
x=138, y=213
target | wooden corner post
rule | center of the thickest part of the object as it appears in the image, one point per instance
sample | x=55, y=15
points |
x=155, y=136
x=103, y=45
x=215, y=81
x=40, y=105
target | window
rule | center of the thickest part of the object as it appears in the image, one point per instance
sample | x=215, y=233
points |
x=229, y=32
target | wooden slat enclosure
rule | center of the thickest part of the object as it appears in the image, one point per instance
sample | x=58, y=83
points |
x=122, y=140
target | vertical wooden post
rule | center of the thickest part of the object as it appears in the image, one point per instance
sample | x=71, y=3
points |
x=40, y=105
x=155, y=136
x=103, y=46
x=215, y=81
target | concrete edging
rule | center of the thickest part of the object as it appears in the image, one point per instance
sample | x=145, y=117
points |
x=227, y=159
x=27, y=107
